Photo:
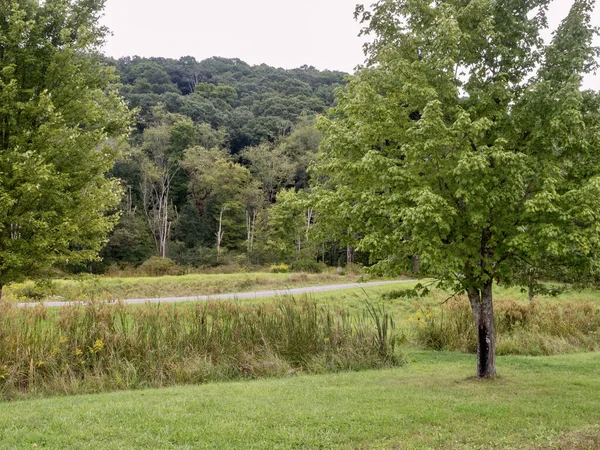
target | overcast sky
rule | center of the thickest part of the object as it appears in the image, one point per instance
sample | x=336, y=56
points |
x=280, y=33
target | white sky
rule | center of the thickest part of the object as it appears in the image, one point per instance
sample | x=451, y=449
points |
x=280, y=33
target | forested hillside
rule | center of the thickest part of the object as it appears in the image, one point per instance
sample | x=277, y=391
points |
x=214, y=144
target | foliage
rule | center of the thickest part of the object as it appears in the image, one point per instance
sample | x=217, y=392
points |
x=468, y=142
x=109, y=346
x=61, y=126
x=290, y=221
x=158, y=267
x=257, y=118
x=279, y=268
x=270, y=166
x=250, y=103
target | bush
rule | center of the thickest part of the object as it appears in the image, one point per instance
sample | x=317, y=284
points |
x=32, y=290
x=102, y=346
x=534, y=328
x=279, y=268
x=156, y=267
x=308, y=265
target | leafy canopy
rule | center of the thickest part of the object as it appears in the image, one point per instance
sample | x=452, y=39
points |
x=468, y=141
x=60, y=125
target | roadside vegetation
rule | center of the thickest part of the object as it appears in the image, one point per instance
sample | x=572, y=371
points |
x=101, y=346
x=91, y=287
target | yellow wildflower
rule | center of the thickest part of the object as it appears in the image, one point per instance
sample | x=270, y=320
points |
x=63, y=340
x=78, y=352
x=98, y=345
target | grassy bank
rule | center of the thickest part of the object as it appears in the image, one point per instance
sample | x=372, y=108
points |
x=538, y=403
x=102, y=347
x=107, y=288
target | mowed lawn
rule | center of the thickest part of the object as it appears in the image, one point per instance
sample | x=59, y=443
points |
x=537, y=403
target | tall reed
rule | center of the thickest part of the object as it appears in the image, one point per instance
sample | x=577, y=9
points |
x=533, y=328
x=102, y=346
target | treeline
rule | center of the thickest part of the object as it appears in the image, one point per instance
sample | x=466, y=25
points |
x=217, y=164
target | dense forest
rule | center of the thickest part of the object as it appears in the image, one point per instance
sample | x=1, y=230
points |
x=218, y=152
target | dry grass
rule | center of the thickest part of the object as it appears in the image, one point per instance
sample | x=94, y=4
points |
x=522, y=328
x=102, y=346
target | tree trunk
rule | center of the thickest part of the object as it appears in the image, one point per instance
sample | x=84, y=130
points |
x=349, y=255
x=483, y=313
x=530, y=285
x=220, y=232
x=415, y=261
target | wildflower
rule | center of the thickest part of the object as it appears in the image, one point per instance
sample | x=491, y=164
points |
x=98, y=345
x=78, y=352
x=54, y=352
x=410, y=319
x=63, y=340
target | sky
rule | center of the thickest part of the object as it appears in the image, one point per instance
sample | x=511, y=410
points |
x=280, y=33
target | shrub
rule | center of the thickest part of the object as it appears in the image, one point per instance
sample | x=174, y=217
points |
x=534, y=328
x=307, y=265
x=32, y=290
x=279, y=268
x=156, y=267
x=103, y=346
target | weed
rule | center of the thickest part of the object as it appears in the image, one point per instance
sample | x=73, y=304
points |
x=103, y=346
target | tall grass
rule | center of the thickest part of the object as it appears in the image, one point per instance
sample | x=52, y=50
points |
x=102, y=346
x=533, y=328
x=91, y=287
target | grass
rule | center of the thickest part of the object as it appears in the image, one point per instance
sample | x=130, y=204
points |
x=106, y=288
x=102, y=347
x=537, y=403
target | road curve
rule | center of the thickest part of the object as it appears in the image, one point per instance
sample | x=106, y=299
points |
x=239, y=295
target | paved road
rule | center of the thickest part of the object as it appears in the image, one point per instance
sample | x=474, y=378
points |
x=240, y=295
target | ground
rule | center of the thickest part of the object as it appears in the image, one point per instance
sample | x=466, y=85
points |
x=537, y=403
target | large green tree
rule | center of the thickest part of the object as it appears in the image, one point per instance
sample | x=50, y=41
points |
x=468, y=141
x=61, y=122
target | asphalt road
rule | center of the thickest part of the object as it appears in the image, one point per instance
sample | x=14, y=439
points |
x=239, y=295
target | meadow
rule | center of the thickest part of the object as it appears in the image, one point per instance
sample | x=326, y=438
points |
x=298, y=373
x=90, y=287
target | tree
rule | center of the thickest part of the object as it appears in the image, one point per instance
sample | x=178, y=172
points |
x=290, y=222
x=159, y=159
x=217, y=181
x=467, y=141
x=271, y=166
x=61, y=124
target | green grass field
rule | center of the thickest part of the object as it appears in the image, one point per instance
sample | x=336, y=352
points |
x=432, y=403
